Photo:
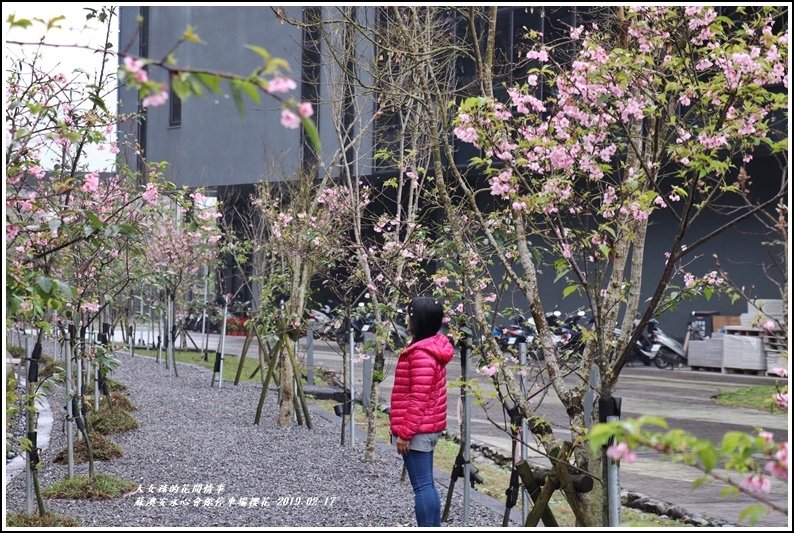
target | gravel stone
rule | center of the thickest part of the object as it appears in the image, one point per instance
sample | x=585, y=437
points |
x=197, y=448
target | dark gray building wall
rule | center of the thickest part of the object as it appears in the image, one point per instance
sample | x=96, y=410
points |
x=213, y=146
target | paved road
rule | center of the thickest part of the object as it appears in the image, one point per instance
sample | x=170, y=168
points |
x=683, y=396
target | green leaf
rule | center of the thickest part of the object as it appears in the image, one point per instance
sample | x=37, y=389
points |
x=181, y=87
x=237, y=96
x=753, y=513
x=99, y=102
x=729, y=491
x=22, y=23
x=94, y=220
x=53, y=21
x=708, y=292
x=652, y=420
x=311, y=132
x=210, y=81
x=570, y=289
x=261, y=51
x=731, y=440
x=700, y=481
x=251, y=90
x=600, y=434
x=64, y=289
x=707, y=454
x=191, y=36
x=44, y=283
x=54, y=224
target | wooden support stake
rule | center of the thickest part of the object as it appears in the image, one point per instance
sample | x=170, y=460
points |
x=273, y=358
x=248, y=338
x=542, y=503
x=532, y=486
x=566, y=484
x=297, y=377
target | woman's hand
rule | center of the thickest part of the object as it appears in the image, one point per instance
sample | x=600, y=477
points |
x=403, y=446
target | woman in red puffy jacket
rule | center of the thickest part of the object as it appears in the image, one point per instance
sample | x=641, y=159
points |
x=419, y=403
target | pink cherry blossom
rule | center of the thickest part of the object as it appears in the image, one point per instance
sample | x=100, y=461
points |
x=775, y=469
x=151, y=193
x=770, y=325
x=305, y=109
x=90, y=307
x=756, y=483
x=689, y=280
x=37, y=172
x=782, y=454
x=489, y=370
x=132, y=64
x=11, y=232
x=621, y=452
x=154, y=100
x=280, y=85
x=91, y=182
x=768, y=437
x=781, y=399
x=780, y=371
x=289, y=119
x=441, y=281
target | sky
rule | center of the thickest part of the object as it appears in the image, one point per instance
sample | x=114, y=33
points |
x=75, y=30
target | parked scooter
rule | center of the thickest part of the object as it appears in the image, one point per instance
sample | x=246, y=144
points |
x=671, y=353
x=645, y=350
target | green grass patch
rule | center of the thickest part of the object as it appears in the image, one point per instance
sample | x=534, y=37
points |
x=116, y=386
x=102, y=487
x=102, y=447
x=107, y=421
x=48, y=520
x=18, y=352
x=230, y=362
x=636, y=518
x=759, y=397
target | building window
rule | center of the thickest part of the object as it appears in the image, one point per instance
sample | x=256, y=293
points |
x=174, y=106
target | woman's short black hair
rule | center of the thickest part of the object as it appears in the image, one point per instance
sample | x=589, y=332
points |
x=425, y=316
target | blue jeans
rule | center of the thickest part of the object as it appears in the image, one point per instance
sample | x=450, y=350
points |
x=426, y=501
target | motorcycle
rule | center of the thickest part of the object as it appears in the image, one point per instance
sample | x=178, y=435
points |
x=671, y=353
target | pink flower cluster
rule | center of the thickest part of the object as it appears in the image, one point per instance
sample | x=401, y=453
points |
x=91, y=182
x=489, y=370
x=280, y=85
x=621, y=452
x=156, y=99
x=500, y=184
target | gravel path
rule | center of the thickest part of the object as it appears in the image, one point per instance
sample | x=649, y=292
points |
x=193, y=438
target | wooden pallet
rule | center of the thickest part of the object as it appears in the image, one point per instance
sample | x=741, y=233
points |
x=775, y=346
x=743, y=349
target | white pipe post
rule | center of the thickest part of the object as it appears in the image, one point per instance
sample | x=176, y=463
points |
x=29, y=418
x=204, y=332
x=613, y=484
x=352, y=430
x=522, y=359
x=69, y=414
x=466, y=433
x=223, y=340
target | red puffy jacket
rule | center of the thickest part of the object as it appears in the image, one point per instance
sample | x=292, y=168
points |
x=419, y=396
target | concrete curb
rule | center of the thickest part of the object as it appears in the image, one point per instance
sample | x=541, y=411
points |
x=17, y=465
